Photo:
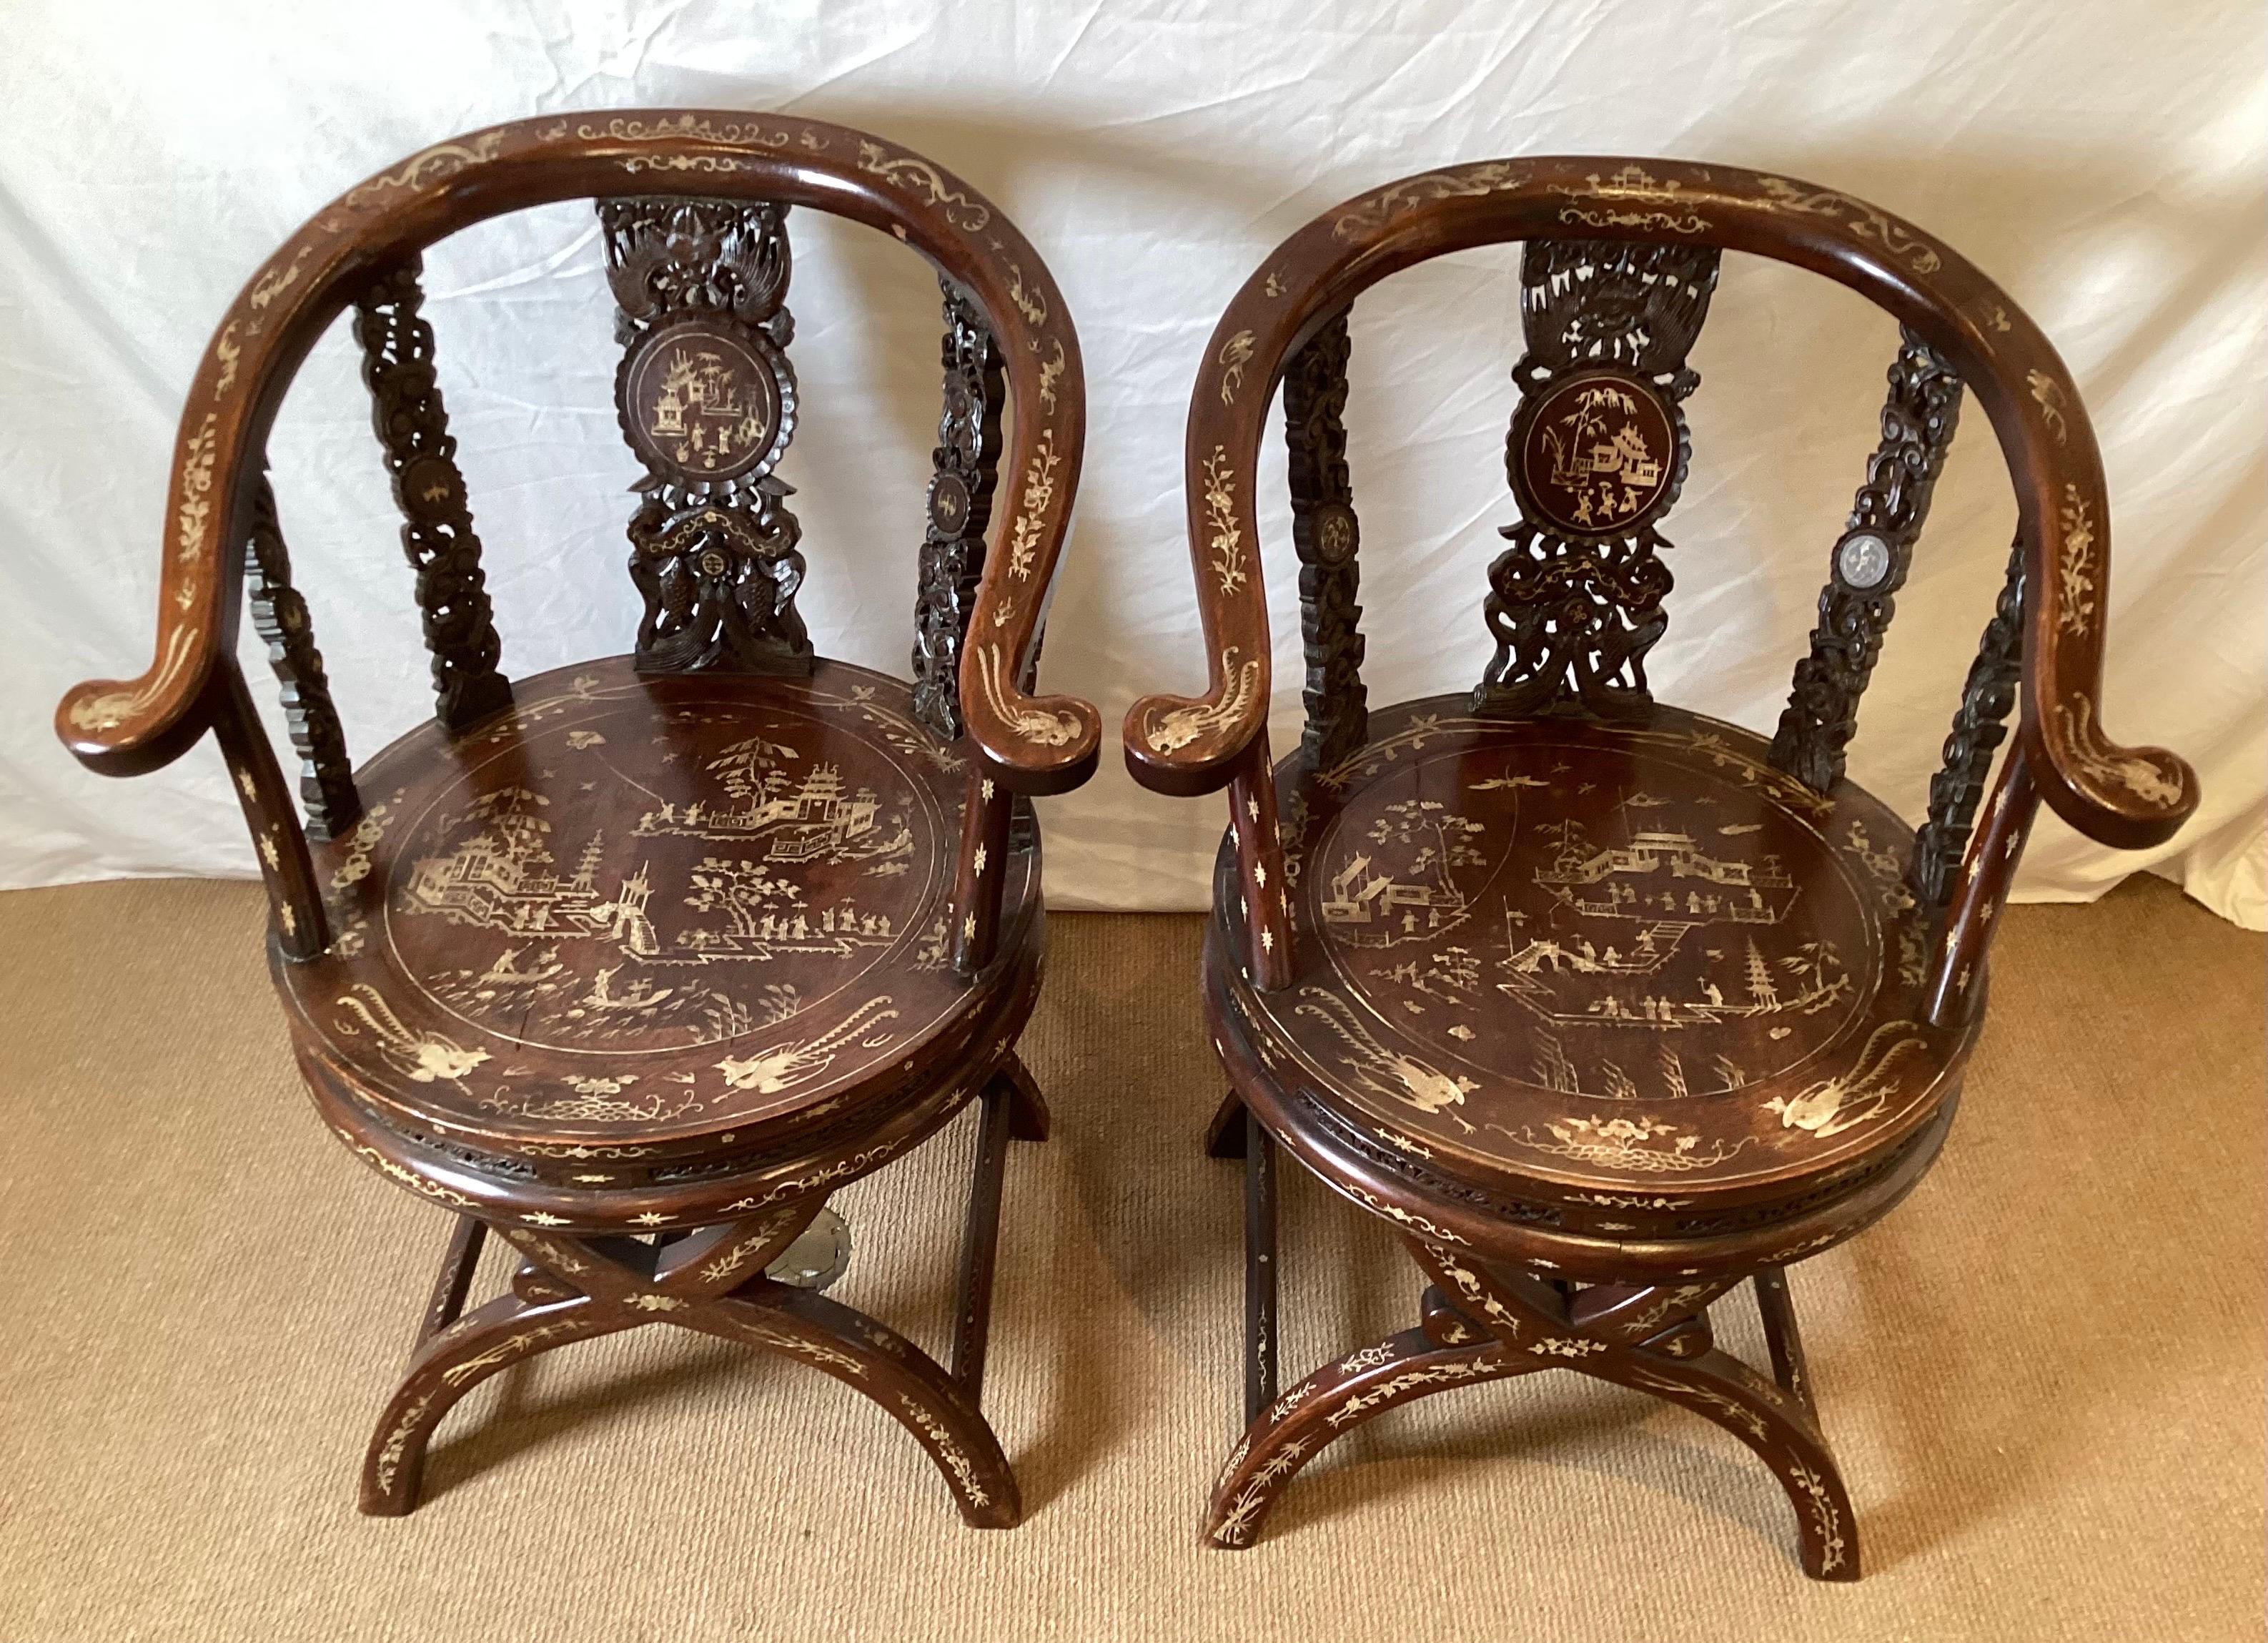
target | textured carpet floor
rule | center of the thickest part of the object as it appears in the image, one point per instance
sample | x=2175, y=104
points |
x=2042, y=1374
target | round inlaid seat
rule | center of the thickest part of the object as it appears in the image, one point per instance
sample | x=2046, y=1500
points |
x=1581, y=981
x=661, y=935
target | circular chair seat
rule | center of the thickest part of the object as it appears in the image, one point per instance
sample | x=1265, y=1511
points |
x=639, y=948
x=1567, y=985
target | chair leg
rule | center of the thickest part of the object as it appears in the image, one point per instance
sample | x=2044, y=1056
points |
x=454, y=1280
x=1483, y=1323
x=575, y=1287
x=980, y=1241
x=1225, y=1129
x=1027, y=1108
x=1259, y=1269
x=1783, y=1339
x=908, y=1383
x=1329, y=1403
x=505, y=1331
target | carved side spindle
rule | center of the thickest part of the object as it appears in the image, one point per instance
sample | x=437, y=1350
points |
x=966, y=462
x=1326, y=534
x=437, y=531
x=327, y=787
x=1868, y=566
x=1596, y=456
x=1979, y=727
x=707, y=401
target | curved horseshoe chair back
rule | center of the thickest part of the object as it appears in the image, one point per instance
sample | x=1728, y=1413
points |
x=2126, y=797
x=1024, y=744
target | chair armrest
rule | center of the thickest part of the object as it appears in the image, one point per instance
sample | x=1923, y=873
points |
x=1184, y=746
x=129, y=727
x=2128, y=798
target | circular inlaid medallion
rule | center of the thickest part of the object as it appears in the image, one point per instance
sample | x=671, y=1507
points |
x=430, y=488
x=703, y=401
x=1332, y=530
x=1863, y=561
x=949, y=504
x=1595, y=454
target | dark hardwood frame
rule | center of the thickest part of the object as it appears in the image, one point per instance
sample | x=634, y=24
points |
x=591, y=1261
x=1487, y=1312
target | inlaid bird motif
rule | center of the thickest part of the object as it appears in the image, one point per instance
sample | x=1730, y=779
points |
x=425, y=1058
x=1414, y=1083
x=770, y=1071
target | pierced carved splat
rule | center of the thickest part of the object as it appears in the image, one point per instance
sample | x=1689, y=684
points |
x=1326, y=534
x=967, y=461
x=707, y=401
x=325, y=776
x=1868, y=566
x=1980, y=724
x=437, y=531
x=1596, y=456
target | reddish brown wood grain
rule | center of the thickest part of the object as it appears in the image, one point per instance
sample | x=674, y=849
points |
x=2127, y=797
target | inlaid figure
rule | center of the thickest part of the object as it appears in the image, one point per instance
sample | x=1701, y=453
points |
x=1603, y=1006
x=634, y=963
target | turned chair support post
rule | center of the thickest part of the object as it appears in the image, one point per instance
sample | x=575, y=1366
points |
x=1252, y=820
x=1988, y=873
x=300, y=924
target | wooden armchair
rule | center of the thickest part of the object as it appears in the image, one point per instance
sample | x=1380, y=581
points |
x=1604, y=1006
x=635, y=963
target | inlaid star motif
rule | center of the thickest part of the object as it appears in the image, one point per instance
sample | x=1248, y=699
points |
x=979, y=860
x=987, y=790
x=544, y=1217
x=652, y=1218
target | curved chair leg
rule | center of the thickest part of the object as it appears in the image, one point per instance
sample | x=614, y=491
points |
x=1594, y=1334
x=1330, y=1403
x=905, y=1381
x=505, y=1331
x=1719, y=1387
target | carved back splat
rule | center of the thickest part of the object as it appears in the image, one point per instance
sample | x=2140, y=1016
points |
x=327, y=784
x=968, y=463
x=1325, y=532
x=1980, y=724
x=707, y=401
x=1868, y=566
x=1596, y=455
x=437, y=531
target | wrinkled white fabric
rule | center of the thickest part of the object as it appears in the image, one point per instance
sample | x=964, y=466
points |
x=2102, y=160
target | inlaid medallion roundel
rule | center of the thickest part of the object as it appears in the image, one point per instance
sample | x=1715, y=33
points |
x=648, y=902
x=1596, y=454
x=702, y=401
x=1568, y=948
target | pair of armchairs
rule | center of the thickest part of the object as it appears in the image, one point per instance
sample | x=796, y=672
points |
x=1603, y=1006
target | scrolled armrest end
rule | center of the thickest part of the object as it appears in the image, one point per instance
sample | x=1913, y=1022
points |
x=131, y=727
x=1046, y=744
x=2128, y=798
x=1185, y=746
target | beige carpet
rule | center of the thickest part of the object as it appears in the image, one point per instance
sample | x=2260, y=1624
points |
x=2043, y=1374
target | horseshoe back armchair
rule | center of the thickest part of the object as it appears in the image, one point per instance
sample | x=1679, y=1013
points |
x=635, y=963
x=1604, y=1006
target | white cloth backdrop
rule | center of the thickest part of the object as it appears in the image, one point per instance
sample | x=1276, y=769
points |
x=2102, y=159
